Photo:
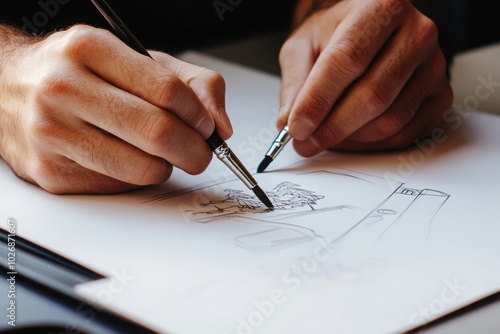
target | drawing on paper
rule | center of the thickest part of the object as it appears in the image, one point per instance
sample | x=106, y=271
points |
x=285, y=196
x=318, y=204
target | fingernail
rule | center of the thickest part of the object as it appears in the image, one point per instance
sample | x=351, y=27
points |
x=205, y=127
x=301, y=129
x=221, y=113
x=309, y=147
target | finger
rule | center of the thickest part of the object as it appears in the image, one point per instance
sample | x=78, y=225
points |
x=142, y=76
x=105, y=154
x=129, y=118
x=371, y=96
x=149, y=129
x=427, y=79
x=208, y=85
x=426, y=123
x=345, y=58
x=376, y=91
x=211, y=89
x=59, y=175
x=296, y=61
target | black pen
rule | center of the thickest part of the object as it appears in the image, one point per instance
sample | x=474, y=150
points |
x=217, y=145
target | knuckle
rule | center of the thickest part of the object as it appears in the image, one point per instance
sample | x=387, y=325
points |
x=427, y=30
x=348, y=57
x=409, y=106
x=392, y=124
x=318, y=106
x=330, y=134
x=43, y=128
x=200, y=164
x=395, y=121
x=151, y=170
x=53, y=84
x=154, y=129
x=165, y=89
x=45, y=174
x=80, y=40
x=214, y=79
x=389, y=126
x=206, y=83
x=287, y=47
x=296, y=44
x=375, y=99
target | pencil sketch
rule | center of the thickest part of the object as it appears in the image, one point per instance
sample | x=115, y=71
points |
x=334, y=203
x=285, y=196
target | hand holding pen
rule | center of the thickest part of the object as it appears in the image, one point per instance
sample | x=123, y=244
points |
x=98, y=117
x=86, y=112
x=213, y=139
x=360, y=75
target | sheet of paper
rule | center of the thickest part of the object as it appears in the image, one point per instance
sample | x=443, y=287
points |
x=358, y=243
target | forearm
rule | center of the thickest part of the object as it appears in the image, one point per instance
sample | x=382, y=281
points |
x=306, y=8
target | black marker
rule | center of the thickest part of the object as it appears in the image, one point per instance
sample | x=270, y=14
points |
x=217, y=145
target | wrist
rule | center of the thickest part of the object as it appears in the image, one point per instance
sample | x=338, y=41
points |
x=14, y=49
x=14, y=43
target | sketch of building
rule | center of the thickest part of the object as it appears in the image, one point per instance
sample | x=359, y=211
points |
x=334, y=204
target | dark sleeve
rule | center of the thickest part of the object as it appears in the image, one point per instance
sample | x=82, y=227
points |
x=174, y=25
x=43, y=16
x=462, y=24
x=160, y=24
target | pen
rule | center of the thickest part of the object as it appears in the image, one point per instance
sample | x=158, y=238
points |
x=276, y=147
x=216, y=144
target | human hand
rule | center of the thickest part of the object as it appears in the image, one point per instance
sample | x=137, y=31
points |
x=83, y=113
x=362, y=75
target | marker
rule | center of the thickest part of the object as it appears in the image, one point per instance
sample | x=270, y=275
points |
x=217, y=145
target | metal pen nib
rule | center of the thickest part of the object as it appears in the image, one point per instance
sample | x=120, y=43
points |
x=279, y=143
x=226, y=155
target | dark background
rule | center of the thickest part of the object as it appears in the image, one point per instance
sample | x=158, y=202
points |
x=167, y=25
x=174, y=26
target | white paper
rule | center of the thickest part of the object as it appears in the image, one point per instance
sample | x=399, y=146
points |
x=374, y=243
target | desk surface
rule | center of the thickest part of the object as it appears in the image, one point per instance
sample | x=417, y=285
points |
x=108, y=238
x=262, y=53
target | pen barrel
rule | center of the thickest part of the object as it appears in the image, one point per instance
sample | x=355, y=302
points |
x=279, y=143
x=224, y=154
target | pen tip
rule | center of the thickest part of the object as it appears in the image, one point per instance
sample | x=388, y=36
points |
x=263, y=197
x=263, y=165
